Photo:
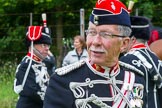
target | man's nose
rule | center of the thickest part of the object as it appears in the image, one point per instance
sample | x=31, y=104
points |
x=97, y=39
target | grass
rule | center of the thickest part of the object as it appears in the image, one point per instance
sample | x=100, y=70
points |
x=7, y=96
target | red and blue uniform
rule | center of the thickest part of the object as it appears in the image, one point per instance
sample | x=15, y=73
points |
x=31, y=95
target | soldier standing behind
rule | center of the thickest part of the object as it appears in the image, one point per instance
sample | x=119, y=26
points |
x=32, y=78
x=139, y=56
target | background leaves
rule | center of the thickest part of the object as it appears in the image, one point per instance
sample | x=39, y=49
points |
x=62, y=17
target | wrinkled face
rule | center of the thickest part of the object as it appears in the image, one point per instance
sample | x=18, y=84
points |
x=77, y=43
x=42, y=50
x=103, y=49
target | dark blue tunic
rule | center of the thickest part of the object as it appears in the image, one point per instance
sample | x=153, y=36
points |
x=143, y=59
x=32, y=94
x=81, y=85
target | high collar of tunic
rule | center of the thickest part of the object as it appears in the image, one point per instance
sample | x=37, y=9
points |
x=105, y=71
x=34, y=57
x=138, y=46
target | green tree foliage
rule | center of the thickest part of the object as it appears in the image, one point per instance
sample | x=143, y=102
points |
x=62, y=17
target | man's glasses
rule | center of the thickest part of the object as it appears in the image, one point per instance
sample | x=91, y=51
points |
x=102, y=34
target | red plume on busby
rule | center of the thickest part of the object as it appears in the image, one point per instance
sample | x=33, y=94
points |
x=38, y=34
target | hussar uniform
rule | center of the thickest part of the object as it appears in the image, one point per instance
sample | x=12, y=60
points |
x=148, y=63
x=31, y=78
x=32, y=94
x=85, y=85
x=143, y=59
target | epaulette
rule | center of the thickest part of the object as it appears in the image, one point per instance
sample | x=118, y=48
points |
x=66, y=69
x=130, y=68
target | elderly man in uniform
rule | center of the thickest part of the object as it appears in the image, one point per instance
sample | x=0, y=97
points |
x=32, y=78
x=102, y=81
x=139, y=56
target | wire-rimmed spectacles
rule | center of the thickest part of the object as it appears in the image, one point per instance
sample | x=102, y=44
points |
x=104, y=34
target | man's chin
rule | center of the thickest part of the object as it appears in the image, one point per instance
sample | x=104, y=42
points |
x=42, y=56
x=96, y=61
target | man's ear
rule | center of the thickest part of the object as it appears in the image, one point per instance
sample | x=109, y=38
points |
x=125, y=44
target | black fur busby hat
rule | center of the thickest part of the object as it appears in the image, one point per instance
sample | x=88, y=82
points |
x=141, y=27
x=39, y=35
